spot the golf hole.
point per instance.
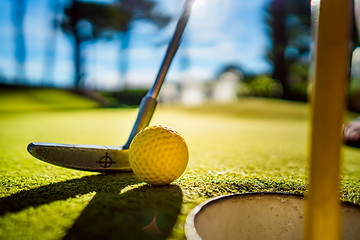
(258, 216)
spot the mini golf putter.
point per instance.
(113, 158)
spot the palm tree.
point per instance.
(135, 10)
(86, 21)
(289, 25)
(51, 42)
(18, 14)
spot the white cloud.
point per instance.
(104, 78)
(218, 52)
(143, 77)
(146, 53)
(198, 73)
(208, 20)
(210, 13)
(102, 52)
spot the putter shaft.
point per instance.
(149, 102)
(172, 48)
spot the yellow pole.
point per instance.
(322, 218)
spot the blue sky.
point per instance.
(219, 32)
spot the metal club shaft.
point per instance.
(172, 48)
(149, 102)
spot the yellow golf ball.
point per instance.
(158, 155)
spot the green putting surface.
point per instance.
(251, 145)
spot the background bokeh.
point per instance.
(230, 48)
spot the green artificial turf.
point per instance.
(40, 99)
(251, 145)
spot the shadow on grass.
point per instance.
(144, 212)
(64, 190)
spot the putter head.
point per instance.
(95, 158)
(82, 157)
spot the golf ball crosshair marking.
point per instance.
(158, 155)
(105, 161)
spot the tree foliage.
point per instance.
(85, 21)
(289, 32)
